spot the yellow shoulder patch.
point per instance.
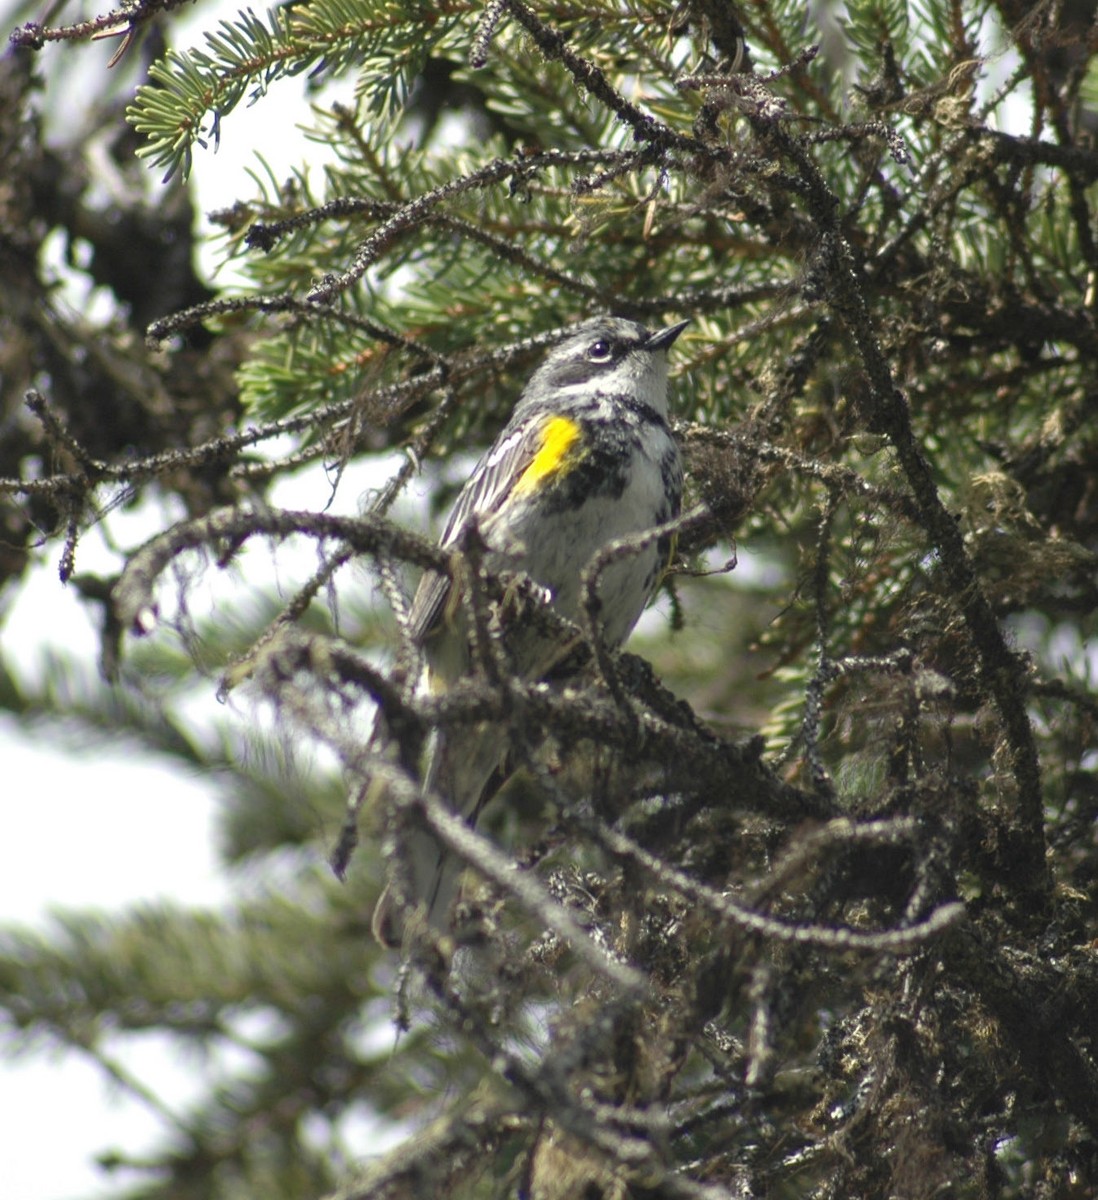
(558, 436)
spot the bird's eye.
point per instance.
(599, 351)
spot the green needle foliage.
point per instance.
(795, 900)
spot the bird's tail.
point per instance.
(461, 770)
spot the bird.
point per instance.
(587, 456)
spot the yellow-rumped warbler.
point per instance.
(586, 457)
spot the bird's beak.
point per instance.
(663, 339)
